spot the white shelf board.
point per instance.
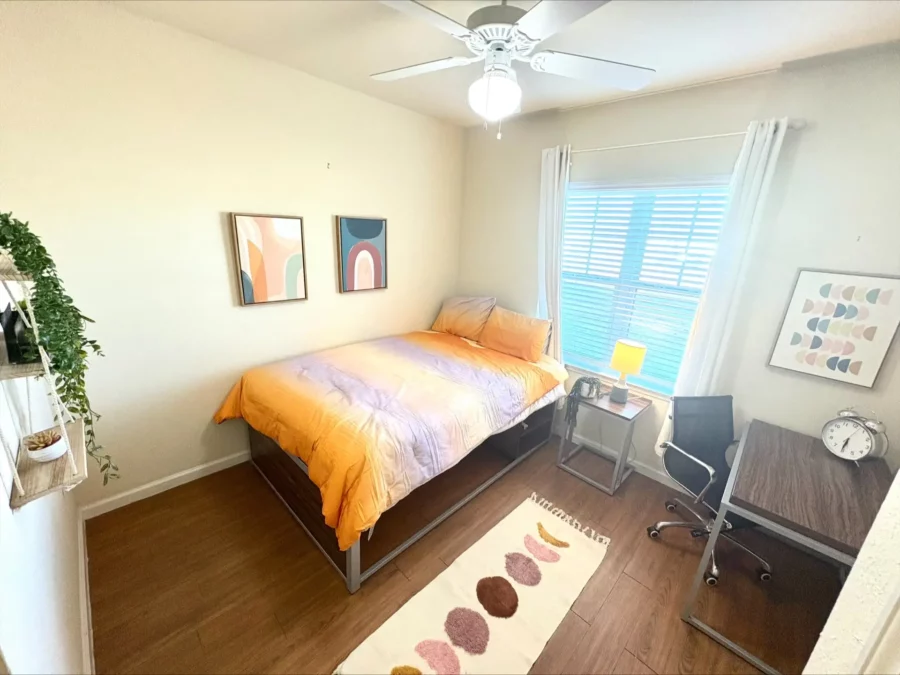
(10, 371)
(43, 478)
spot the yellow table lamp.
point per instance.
(627, 358)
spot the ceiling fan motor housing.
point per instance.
(494, 22)
(496, 25)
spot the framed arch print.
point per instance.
(362, 253)
(271, 258)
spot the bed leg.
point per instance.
(353, 572)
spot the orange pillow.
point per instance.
(464, 317)
(515, 334)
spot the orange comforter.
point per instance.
(375, 420)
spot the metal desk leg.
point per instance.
(622, 459)
(565, 447)
(688, 611)
(687, 614)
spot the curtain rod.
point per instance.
(793, 124)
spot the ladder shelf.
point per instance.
(32, 479)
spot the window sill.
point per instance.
(649, 393)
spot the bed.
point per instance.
(345, 435)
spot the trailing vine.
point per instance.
(61, 326)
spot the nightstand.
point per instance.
(627, 412)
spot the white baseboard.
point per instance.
(651, 472)
(102, 506)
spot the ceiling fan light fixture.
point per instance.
(496, 94)
(501, 34)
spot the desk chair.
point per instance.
(703, 430)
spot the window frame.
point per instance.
(710, 181)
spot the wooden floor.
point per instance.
(216, 576)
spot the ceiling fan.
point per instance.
(501, 34)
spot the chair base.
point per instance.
(702, 526)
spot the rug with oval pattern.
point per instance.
(495, 607)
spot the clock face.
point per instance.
(847, 438)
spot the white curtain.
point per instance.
(554, 179)
(701, 370)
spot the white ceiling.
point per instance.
(686, 41)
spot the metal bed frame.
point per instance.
(352, 574)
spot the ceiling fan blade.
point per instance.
(422, 68)
(551, 16)
(613, 73)
(436, 19)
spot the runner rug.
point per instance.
(495, 607)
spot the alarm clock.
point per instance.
(853, 437)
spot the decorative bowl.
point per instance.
(45, 446)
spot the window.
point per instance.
(634, 264)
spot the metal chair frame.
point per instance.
(702, 525)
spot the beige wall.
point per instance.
(833, 206)
(126, 144)
(40, 615)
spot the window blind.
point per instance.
(634, 264)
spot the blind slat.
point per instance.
(634, 264)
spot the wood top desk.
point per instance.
(792, 479)
(789, 483)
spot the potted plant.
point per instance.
(44, 446)
(61, 329)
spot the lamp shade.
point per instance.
(495, 95)
(628, 357)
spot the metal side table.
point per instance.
(627, 412)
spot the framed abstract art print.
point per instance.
(838, 325)
(271, 258)
(362, 253)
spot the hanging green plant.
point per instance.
(61, 327)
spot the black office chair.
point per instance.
(703, 430)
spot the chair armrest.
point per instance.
(668, 445)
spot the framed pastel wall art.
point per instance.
(362, 253)
(271, 258)
(838, 325)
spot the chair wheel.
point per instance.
(764, 575)
(710, 579)
(652, 532)
(671, 506)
